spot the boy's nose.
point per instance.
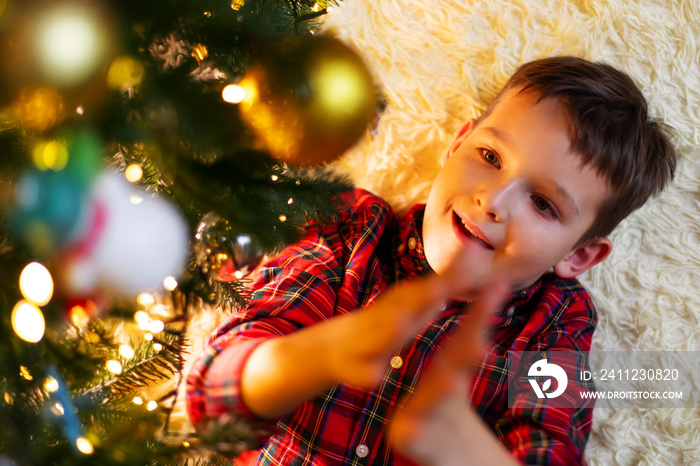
(494, 201)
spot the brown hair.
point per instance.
(610, 130)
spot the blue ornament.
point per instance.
(50, 209)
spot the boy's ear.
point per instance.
(461, 135)
(583, 258)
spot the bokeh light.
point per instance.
(233, 94)
(84, 446)
(28, 322)
(133, 173)
(126, 351)
(36, 284)
(51, 155)
(69, 43)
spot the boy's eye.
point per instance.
(491, 158)
(543, 205)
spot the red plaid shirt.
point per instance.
(338, 268)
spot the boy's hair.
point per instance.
(610, 129)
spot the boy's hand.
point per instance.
(436, 426)
(361, 344)
(354, 349)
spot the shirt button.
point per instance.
(411, 243)
(396, 362)
(362, 450)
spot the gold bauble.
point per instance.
(310, 101)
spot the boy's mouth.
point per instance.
(471, 231)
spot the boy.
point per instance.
(326, 351)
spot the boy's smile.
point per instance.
(512, 200)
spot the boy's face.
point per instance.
(511, 200)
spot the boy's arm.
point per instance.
(437, 427)
(353, 349)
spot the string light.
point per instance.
(200, 52)
(28, 322)
(133, 173)
(274, 177)
(126, 351)
(114, 367)
(290, 201)
(156, 326)
(283, 218)
(233, 94)
(69, 44)
(79, 316)
(145, 299)
(237, 4)
(50, 384)
(137, 400)
(36, 284)
(157, 347)
(24, 373)
(169, 283)
(84, 446)
(152, 405)
(57, 409)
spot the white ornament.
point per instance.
(144, 239)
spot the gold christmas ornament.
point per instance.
(310, 101)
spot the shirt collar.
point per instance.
(407, 247)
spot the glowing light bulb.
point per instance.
(24, 373)
(157, 347)
(57, 409)
(143, 320)
(156, 326)
(283, 218)
(79, 316)
(114, 367)
(145, 299)
(36, 284)
(233, 94)
(152, 405)
(126, 351)
(50, 384)
(169, 283)
(84, 446)
(133, 173)
(28, 322)
(137, 400)
(69, 44)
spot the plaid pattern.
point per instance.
(339, 268)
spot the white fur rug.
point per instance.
(440, 62)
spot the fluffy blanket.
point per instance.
(440, 62)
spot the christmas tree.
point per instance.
(153, 153)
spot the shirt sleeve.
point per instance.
(293, 290)
(545, 435)
(309, 282)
